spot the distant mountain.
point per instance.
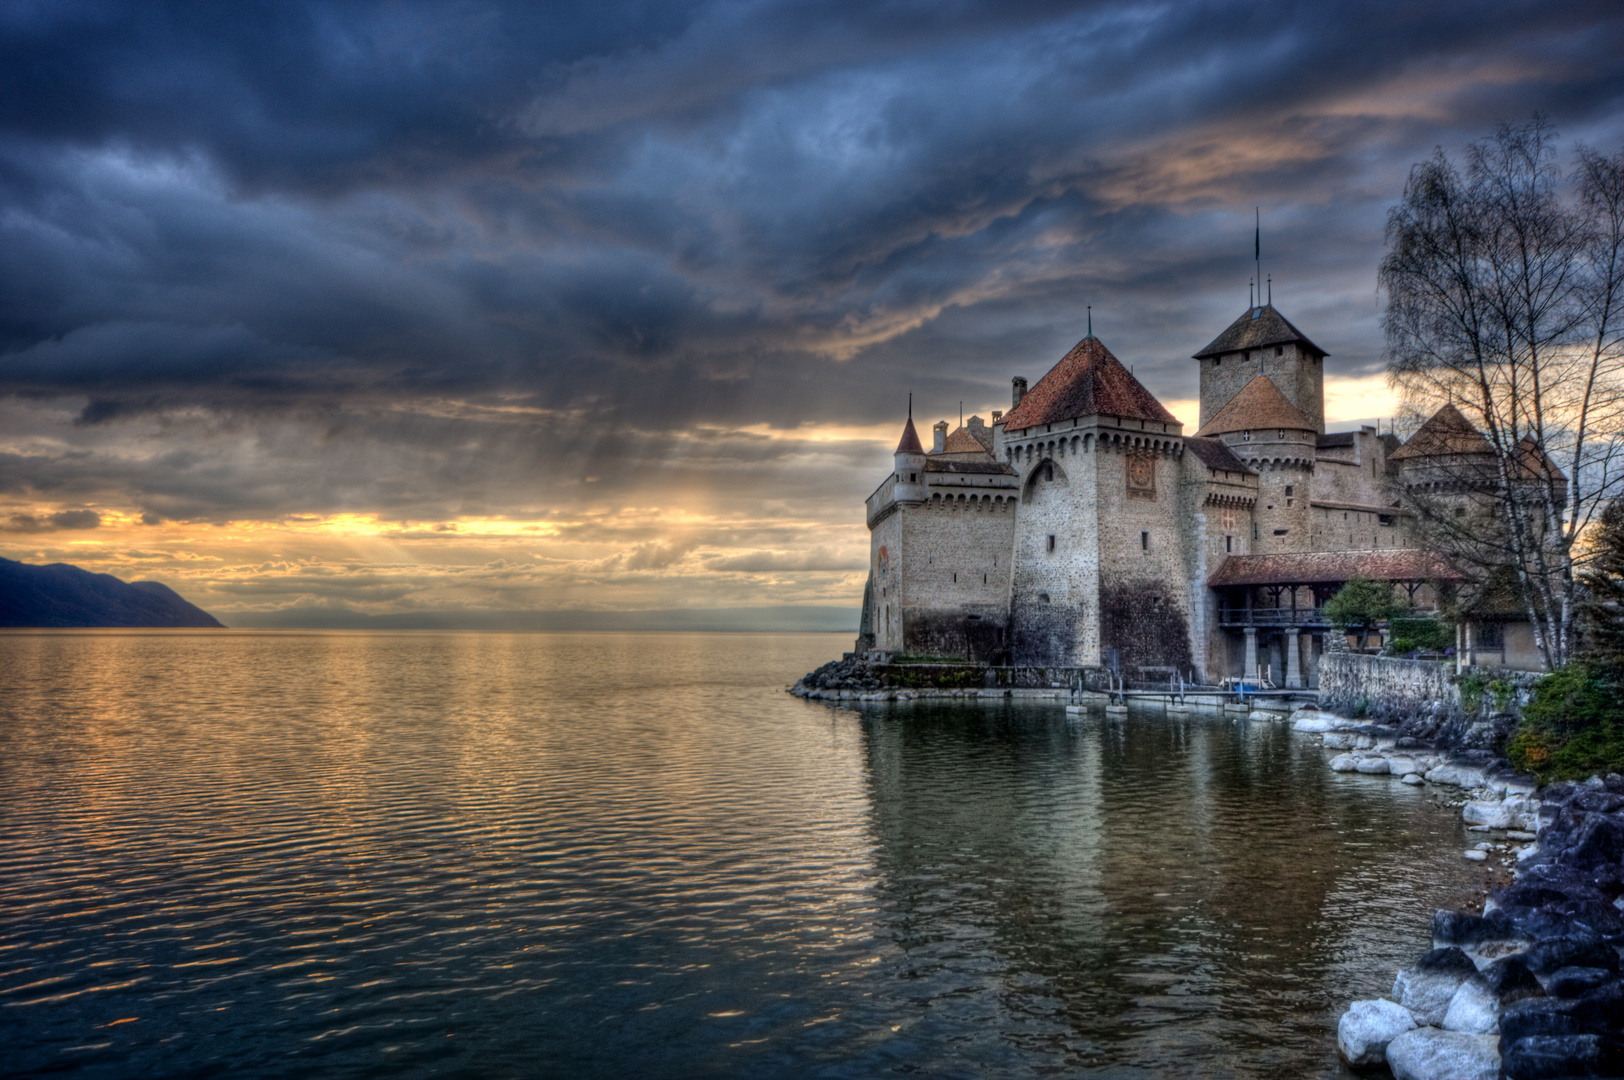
(63, 595)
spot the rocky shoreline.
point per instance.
(1531, 987)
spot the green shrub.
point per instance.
(1409, 634)
(1472, 687)
(1572, 729)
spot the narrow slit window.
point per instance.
(1051, 541)
(1144, 541)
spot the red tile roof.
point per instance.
(962, 442)
(1257, 328)
(1446, 433)
(910, 440)
(1259, 405)
(1314, 567)
(1088, 381)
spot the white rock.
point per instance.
(1492, 814)
(1522, 785)
(1316, 724)
(1372, 766)
(1259, 714)
(1398, 764)
(1476, 856)
(1473, 1010)
(1414, 779)
(1366, 1029)
(1456, 776)
(1430, 1054)
(1344, 763)
(1426, 994)
(1337, 741)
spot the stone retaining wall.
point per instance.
(1387, 685)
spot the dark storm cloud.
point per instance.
(57, 522)
(356, 241)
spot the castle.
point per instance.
(1084, 528)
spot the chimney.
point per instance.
(1019, 385)
(940, 431)
(997, 415)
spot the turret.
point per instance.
(910, 464)
(1263, 342)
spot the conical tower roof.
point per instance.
(1088, 381)
(1258, 327)
(1446, 433)
(910, 439)
(1260, 404)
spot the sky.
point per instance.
(485, 313)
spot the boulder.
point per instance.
(1426, 988)
(1317, 722)
(1494, 815)
(1337, 741)
(1398, 766)
(1464, 928)
(1537, 1016)
(1538, 1056)
(1600, 843)
(1413, 779)
(1509, 980)
(1472, 1010)
(1344, 763)
(1476, 856)
(1574, 981)
(1456, 776)
(1372, 766)
(1367, 1027)
(1601, 1010)
(1430, 1054)
(1598, 801)
(1570, 950)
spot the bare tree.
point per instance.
(1505, 299)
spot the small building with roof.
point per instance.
(1085, 528)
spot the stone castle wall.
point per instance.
(1144, 614)
(1054, 593)
(885, 559)
(955, 575)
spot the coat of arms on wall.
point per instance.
(884, 558)
(1141, 476)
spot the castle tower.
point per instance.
(1272, 437)
(1263, 342)
(1098, 572)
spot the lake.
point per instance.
(270, 854)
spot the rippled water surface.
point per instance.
(633, 855)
